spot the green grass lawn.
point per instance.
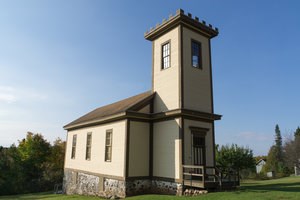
(284, 188)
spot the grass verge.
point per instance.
(279, 189)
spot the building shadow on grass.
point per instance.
(34, 196)
(282, 187)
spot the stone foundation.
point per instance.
(165, 187)
(88, 184)
(113, 188)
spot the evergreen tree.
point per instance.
(278, 145)
(275, 160)
(278, 138)
(297, 132)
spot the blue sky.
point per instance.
(61, 59)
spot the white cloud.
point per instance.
(7, 98)
(10, 94)
(6, 94)
(6, 88)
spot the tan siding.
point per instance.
(146, 109)
(166, 82)
(139, 149)
(166, 148)
(197, 86)
(97, 163)
(188, 142)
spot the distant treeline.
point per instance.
(34, 165)
(283, 156)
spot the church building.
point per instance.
(159, 141)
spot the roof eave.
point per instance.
(97, 121)
(147, 117)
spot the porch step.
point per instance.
(198, 184)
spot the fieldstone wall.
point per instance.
(137, 187)
(81, 183)
(88, 184)
(165, 187)
(114, 189)
(69, 182)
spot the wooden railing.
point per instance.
(194, 173)
(202, 176)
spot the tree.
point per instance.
(292, 151)
(54, 166)
(278, 138)
(34, 151)
(11, 176)
(272, 161)
(234, 157)
(33, 166)
(297, 132)
(275, 159)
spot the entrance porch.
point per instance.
(211, 178)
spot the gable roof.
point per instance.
(261, 160)
(97, 115)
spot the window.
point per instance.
(108, 145)
(88, 146)
(166, 55)
(74, 146)
(196, 55)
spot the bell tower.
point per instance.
(181, 63)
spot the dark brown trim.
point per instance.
(180, 18)
(200, 129)
(66, 148)
(138, 120)
(133, 178)
(142, 103)
(197, 119)
(158, 178)
(185, 113)
(137, 115)
(127, 147)
(97, 174)
(153, 45)
(155, 117)
(181, 136)
(113, 118)
(211, 80)
(212, 102)
(181, 77)
(214, 143)
(151, 142)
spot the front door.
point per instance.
(198, 149)
(198, 154)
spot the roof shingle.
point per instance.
(111, 109)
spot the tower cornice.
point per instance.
(185, 20)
